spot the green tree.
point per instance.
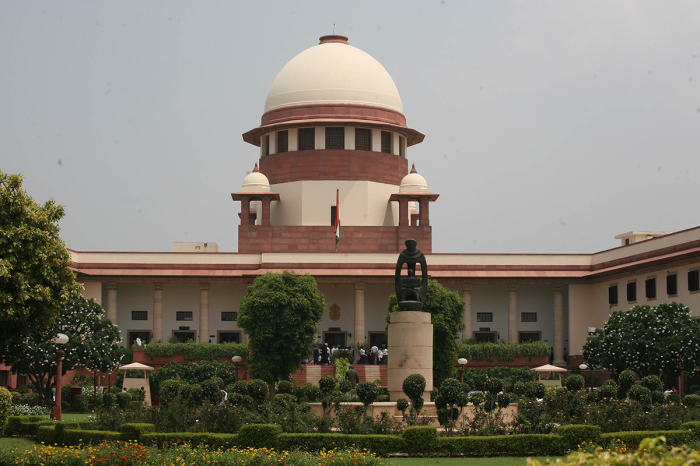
(648, 340)
(447, 310)
(280, 312)
(92, 344)
(35, 275)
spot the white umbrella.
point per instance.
(135, 366)
(548, 368)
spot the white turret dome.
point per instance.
(333, 72)
(413, 183)
(255, 182)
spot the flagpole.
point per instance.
(337, 217)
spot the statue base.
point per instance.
(410, 351)
(410, 306)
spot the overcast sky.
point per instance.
(551, 126)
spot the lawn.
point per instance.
(490, 461)
(14, 443)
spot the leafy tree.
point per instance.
(92, 344)
(35, 276)
(648, 340)
(280, 312)
(446, 309)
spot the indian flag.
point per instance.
(337, 218)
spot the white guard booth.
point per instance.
(547, 369)
(137, 382)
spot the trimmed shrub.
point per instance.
(574, 383)
(512, 445)
(80, 403)
(259, 436)
(673, 398)
(326, 384)
(193, 439)
(691, 401)
(134, 431)
(31, 399)
(381, 445)
(653, 383)
(534, 389)
(626, 380)
(123, 400)
(22, 425)
(607, 391)
(109, 400)
(693, 427)
(420, 439)
(574, 435)
(257, 389)
(367, 392)
(16, 398)
(285, 386)
(640, 393)
(5, 403)
(633, 439)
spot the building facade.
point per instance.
(333, 127)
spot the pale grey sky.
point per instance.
(551, 126)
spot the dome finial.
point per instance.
(256, 170)
(413, 168)
(333, 38)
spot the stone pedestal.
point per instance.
(410, 351)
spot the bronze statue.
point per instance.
(411, 291)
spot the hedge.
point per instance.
(23, 425)
(506, 445)
(503, 351)
(197, 351)
(213, 441)
(379, 444)
(674, 438)
(574, 435)
(134, 431)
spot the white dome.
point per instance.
(255, 182)
(413, 183)
(333, 72)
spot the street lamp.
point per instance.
(236, 360)
(583, 366)
(59, 340)
(462, 362)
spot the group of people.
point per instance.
(323, 354)
(374, 355)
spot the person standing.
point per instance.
(325, 354)
(373, 354)
(352, 375)
(317, 356)
(363, 355)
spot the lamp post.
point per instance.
(59, 340)
(462, 362)
(583, 366)
(236, 360)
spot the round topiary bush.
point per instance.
(691, 401)
(257, 389)
(344, 386)
(494, 385)
(653, 383)
(240, 387)
(640, 393)
(326, 384)
(574, 383)
(285, 386)
(449, 390)
(367, 392)
(402, 404)
(534, 389)
(5, 403)
(607, 391)
(414, 386)
(626, 380)
(519, 388)
(673, 398)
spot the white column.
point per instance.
(273, 142)
(349, 138)
(512, 314)
(293, 139)
(395, 144)
(204, 312)
(320, 134)
(359, 313)
(376, 140)
(558, 326)
(467, 297)
(158, 313)
(112, 302)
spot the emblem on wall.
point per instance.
(335, 312)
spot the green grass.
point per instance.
(14, 443)
(491, 461)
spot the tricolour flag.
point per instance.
(337, 218)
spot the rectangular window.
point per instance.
(632, 291)
(650, 285)
(528, 317)
(386, 142)
(267, 145)
(183, 315)
(282, 141)
(333, 215)
(229, 337)
(672, 285)
(363, 139)
(529, 337)
(335, 138)
(612, 295)
(4, 378)
(484, 316)
(694, 280)
(139, 315)
(229, 316)
(307, 139)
